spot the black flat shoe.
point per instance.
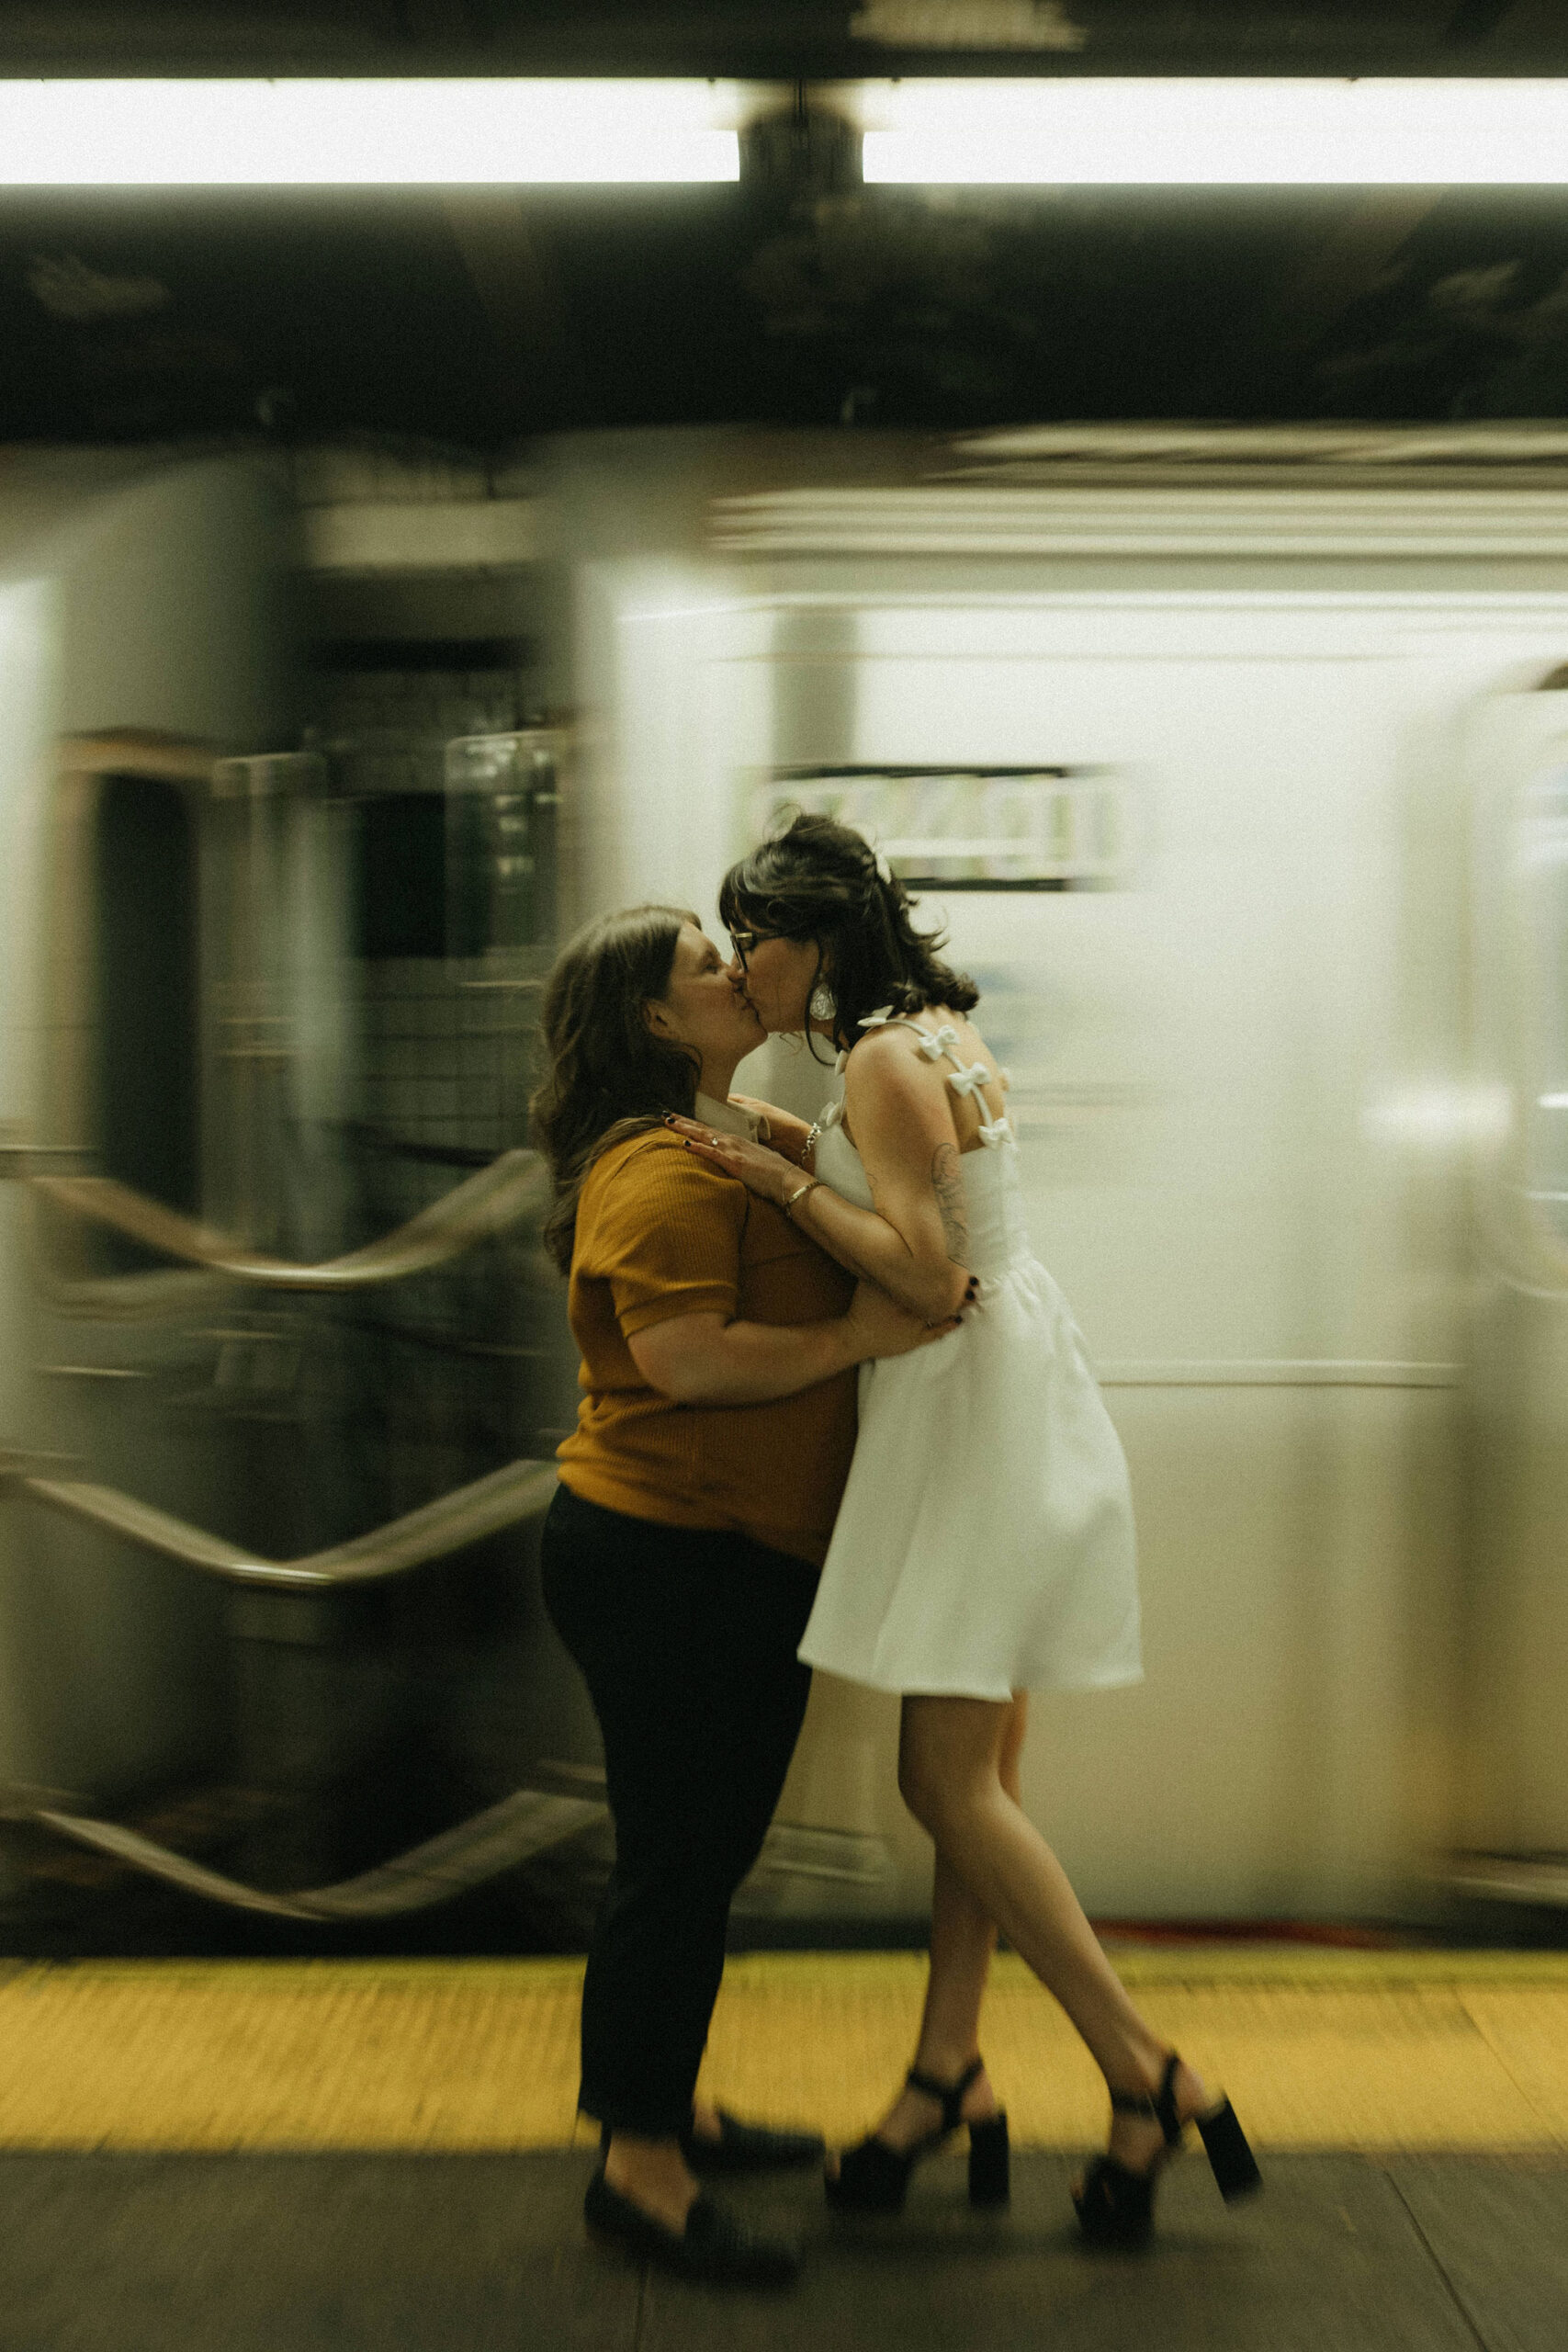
(875, 2178)
(742, 2148)
(1116, 2205)
(713, 2249)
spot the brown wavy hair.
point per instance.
(607, 1076)
(820, 881)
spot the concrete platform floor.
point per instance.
(121, 2253)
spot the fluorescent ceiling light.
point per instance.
(359, 133)
(1246, 132)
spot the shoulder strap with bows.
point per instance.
(940, 1044)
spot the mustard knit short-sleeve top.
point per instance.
(661, 1233)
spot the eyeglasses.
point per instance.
(743, 942)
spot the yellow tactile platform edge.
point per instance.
(1321, 2050)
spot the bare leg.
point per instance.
(964, 1937)
(950, 1772)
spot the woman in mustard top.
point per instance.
(680, 1555)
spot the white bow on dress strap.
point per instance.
(972, 1082)
(936, 1042)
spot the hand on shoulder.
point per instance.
(762, 1170)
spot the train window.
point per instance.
(464, 871)
(402, 883)
(970, 829)
(502, 796)
(145, 1077)
(391, 711)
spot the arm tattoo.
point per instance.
(947, 1183)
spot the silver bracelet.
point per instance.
(799, 1193)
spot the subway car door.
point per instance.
(1157, 828)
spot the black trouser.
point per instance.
(687, 1642)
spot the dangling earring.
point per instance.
(824, 1003)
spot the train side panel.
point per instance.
(1248, 1113)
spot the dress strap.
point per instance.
(941, 1044)
(886, 1018)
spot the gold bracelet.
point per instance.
(799, 1193)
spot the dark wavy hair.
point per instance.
(607, 1076)
(820, 881)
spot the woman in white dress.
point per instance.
(985, 1544)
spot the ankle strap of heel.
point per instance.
(951, 2094)
(1155, 2106)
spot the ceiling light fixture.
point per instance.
(492, 132)
(1247, 132)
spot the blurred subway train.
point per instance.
(1234, 764)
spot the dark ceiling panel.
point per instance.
(274, 308)
(476, 321)
(790, 38)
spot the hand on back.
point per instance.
(882, 1327)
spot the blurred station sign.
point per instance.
(969, 828)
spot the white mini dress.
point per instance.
(985, 1544)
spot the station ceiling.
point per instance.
(475, 319)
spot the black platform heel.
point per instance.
(875, 2178)
(1116, 2205)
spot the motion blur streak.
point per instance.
(1237, 771)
